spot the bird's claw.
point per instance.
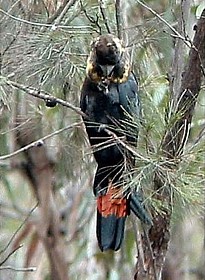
(104, 86)
(101, 127)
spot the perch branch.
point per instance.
(44, 96)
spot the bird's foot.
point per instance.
(104, 86)
(102, 127)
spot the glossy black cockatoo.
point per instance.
(109, 98)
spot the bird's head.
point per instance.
(107, 59)
(108, 50)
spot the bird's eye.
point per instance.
(111, 44)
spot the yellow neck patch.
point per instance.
(95, 77)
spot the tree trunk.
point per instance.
(154, 242)
(38, 169)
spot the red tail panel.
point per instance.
(112, 203)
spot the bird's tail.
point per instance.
(112, 210)
(137, 207)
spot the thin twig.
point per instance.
(18, 229)
(151, 252)
(91, 18)
(39, 142)
(104, 15)
(10, 44)
(16, 127)
(170, 162)
(186, 41)
(20, 269)
(10, 254)
(64, 11)
(76, 28)
(18, 2)
(117, 139)
(118, 15)
(57, 12)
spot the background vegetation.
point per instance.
(47, 209)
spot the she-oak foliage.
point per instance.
(53, 59)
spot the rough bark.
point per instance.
(154, 242)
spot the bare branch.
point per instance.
(18, 229)
(10, 254)
(104, 15)
(45, 96)
(177, 34)
(39, 142)
(119, 22)
(40, 176)
(10, 44)
(69, 4)
(78, 29)
(117, 139)
(91, 18)
(179, 53)
(58, 12)
(20, 269)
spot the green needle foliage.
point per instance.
(52, 58)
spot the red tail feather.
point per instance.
(112, 203)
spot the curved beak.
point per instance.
(107, 70)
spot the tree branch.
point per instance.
(10, 254)
(57, 12)
(103, 12)
(78, 29)
(18, 229)
(44, 96)
(119, 21)
(176, 33)
(20, 269)
(39, 142)
(179, 52)
(65, 9)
